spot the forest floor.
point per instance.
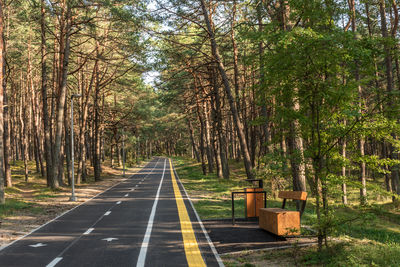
(29, 204)
(359, 236)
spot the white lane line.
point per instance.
(132, 189)
(143, 250)
(126, 195)
(88, 231)
(136, 185)
(107, 213)
(210, 243)
(54, 262)
(119, 202)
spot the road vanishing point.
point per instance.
(146, 220)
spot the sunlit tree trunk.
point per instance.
(65, 31)
(2, 89)
(238, 124)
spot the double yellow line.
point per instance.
(192, 251)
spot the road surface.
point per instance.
(146, 220)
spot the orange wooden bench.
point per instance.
(281, 221)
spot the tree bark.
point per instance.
(45, 114)
(196, 152)
(389, 87)
(54, 183)
(7, 136)
(231, 100)
(219, 130)
(2, 89)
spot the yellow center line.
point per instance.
(192, 251)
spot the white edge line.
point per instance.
(54, 262)
(65, 212)
(88, 231)
(213, 249)
(143, 250)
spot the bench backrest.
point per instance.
(297, 195)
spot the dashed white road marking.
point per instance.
(126, 195)
(38, 245)
(136, 185)
(54, 262)
(107, 213)
(119, 202)
(109, 239)
(143, 250)
(88, 231)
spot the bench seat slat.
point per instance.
(279, 221)
(279, 210)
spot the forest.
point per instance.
(304, 94)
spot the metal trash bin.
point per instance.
(253, 202)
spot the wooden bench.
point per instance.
(281, 221)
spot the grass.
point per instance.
(364, 236)
(13, 205)
(212, 195)
(352, 253)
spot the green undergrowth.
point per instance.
(363, 236)
(351, 253)
(13, 205)
(211, 196)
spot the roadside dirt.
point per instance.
(43, 205)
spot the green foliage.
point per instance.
(13, 205)
(355, 254)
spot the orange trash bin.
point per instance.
(254, 202)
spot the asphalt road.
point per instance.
(146, 220)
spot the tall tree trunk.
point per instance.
(264, 110)
(2, 89)
(24, 143)
(202, 137)
(81, 175)
(61, 100)
(235, 57)
(389, 82)
(219, 127)
(96, 125)
(210, 159)
(214, 138)
(196, 152)
(361, 142)
(45, 114)
(295, 149)
(231, 100)
(67, 146)
(7, 135)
